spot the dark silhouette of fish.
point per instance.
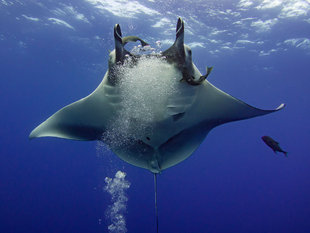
(274, 145)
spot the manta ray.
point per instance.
(152, 110)
(163, 130)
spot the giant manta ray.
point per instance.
(175, 125)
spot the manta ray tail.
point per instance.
(156, 210)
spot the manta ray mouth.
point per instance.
(178, 54)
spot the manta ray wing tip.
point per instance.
(32, 135)
(280, 106)
(38, 132)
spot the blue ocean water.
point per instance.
(54, 53)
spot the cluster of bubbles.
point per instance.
(116, 187)
(148, 49)
(144, 89)
(142, 50)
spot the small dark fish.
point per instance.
(274, 145)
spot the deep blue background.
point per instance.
(232, 183)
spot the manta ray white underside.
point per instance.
(143, 112)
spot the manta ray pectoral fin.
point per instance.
(218, 107)
(238, 110)
(251, 111)
(78, 121)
